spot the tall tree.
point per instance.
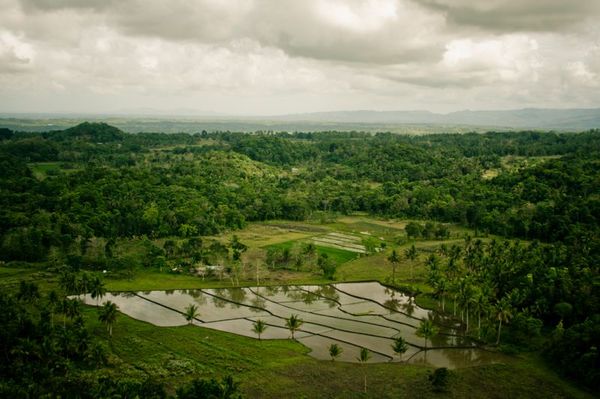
(503, 311)
(97, 289)
(53, 305)
(427, 330)
(293, 323)
(335, 351)
(83, 285)
(363, 357)
(108, 315)
(394, 259)
(191, 312)
(411, 254)
(259, 327)
(481, 306)
(28, 292)
(400, 346)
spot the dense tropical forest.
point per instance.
(526, 277)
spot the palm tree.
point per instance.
(97, 289)
(394, 259)
(259, 327)
(363, 357)
(83, 284)
(465, 297)
(411, 254)
(399, 346)
(453, 288)
(28, 292)
(427, 330)
(293, 323)
(441, 287)
(335, 351)
(503, 314)
(53, 303)
(191, 312)
(480, 305)
(71, 309)
(108, 315)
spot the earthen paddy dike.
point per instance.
(351, 315)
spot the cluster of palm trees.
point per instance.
(364, 355)
(410, 253)
(79, 284)
(293, 323)
(472, 287)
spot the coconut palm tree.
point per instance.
(28, 292)
(53, 304)
(70, 308)
(441, 287)
(97, 289)
(364, 357)
(399, 346)
(335, 351)
(411, 254)
(108, 315)
(427, 330)
(191, 312)
(503, 313)
(293, 323)
(259, 327)
(83, 285)
(480, 305)
(68, 282)
(465, 297)
(394, 259)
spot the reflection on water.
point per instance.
(455, 358)
(351, 315)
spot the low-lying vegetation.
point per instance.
(511, 255)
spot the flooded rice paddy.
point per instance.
(352, 315)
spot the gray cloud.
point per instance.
(516, 15)
(260, 56)
(378, 31)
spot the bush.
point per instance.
(575, 351)
(525, 332)
(439, 379)
(202, 388)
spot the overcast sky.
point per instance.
(290, 56)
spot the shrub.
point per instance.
(439, 379)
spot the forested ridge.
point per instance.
(62, 190)
(112, 184)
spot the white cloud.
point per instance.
(16, 55)
(286, 56)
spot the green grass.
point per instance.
(281, 368)
(338, 255)
(155, 280)
(10, 278)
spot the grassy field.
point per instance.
(338, 255)
(282, 368)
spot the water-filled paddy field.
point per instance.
(351, 315)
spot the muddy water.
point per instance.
(351, 315)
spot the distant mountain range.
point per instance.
(528, 118)
(413, 122)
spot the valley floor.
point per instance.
(282, 368)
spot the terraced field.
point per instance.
(345, 242)
(352, 315)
